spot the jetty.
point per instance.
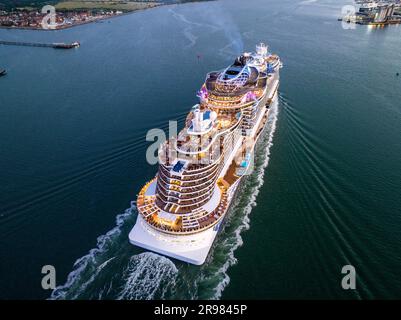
(54, 45)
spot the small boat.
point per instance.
(66, 45)
(3, 72)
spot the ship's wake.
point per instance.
(117, 270)
(88, 269)
(147, 276)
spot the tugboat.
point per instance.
(3, 72)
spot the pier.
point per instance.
(38, 44)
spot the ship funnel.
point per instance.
(262, 49)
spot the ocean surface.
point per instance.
(325, 191)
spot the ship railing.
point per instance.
(220, 133)
(186, 191)
(196, 194)
(204, 219)
(188, 178)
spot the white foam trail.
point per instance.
(222, 21)
(252, 203)
(100, 268)
(92, 278)
(146, 275)
(182, 18)
(306, 2)
(82, 263)
(188, 30)
(190, 36)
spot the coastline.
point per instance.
(103, 18)
(96, 20)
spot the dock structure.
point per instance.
(38, 44)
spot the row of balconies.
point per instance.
(205, 222)
(184, 195)
(185, 181)
(183, 208)
(182, 200)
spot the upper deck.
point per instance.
(202, 139)
(241, 83)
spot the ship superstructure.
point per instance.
(182, 208)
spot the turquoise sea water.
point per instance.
(325, 192)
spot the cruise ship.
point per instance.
(181, 210)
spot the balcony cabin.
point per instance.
(191, 219)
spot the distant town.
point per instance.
(32, 19)
(65, 14)
(375, 13)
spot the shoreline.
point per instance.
(64, 27)
(97, 20)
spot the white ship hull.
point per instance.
(188, 248)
